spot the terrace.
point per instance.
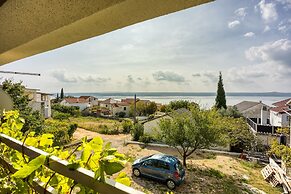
(34, 27)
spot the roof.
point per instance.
(75, 100)
(244, 105)
(123, 104)
(107, 101)
(281, 109)
(166, 158)
(282, 102)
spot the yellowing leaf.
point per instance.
(29, 168)
(123, 179)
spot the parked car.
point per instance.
(161, 167)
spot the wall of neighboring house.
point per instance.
(82, 106)
(116, 110)
(40, 102)
(275, 118)
(279, 119)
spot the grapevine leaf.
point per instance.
(123, 179)
(73, 166)
(29, 168)
(96, 143)
(113, 167)
(31, 141)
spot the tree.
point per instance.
(220, 101)
(143, 109)
(137, 131)
(62, 94)
(58, 98)
(190, 131)
(231, 111)
(237, 133)
(178, 104)
(33, 119)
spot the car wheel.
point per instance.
(136, 172)
(171, 184)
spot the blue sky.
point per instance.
(249, 41)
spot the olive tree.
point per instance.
(190, 131)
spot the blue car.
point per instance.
(160, 167)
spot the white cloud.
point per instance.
(168, 76)
(241, 12)
(62, 76)
(268, 11)
(278, 51)
(233, 24)
(249, 34)
(267, 28)
(285, 3)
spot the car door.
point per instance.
(163, 170)
(148, 168)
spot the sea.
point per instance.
(204, 99)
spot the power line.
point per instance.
(21, 73)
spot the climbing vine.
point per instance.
(103, 160)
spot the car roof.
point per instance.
(166, 158)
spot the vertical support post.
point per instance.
(134, 111)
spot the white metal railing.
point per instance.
(80, 175)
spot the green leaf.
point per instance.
(73, 166)
(29, 168)
(123, 179)
(111, 168)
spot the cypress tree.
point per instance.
(220, 101)
(62, 93)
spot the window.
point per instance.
(124, 108)
(163, 165)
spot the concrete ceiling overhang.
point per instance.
(30, 27)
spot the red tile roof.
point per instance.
(282, 102)
(281, 109)
(75, 100)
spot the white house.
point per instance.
(255, 110)
(93, 101)
(77, 102)
(279, 114)
(121, 107)
(39, 101)
(115, 107)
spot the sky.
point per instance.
(249, 41)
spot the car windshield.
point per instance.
(144, 158)
(179, 166)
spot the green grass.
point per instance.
(100, 125)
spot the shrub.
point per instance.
(137, 131)
(62, 131)
(72, 110)
(127, 126)
(60, 115)
(121, 114)
(146, 138)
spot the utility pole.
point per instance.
(134, 111)
(289, 127)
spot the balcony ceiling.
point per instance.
(30, 27)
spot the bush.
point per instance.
(121, 114)
(62, 131)
(60, 115)
(127, 126)
(137, 131)
(146, 138)
(72, 110)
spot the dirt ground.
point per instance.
(206, 172)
